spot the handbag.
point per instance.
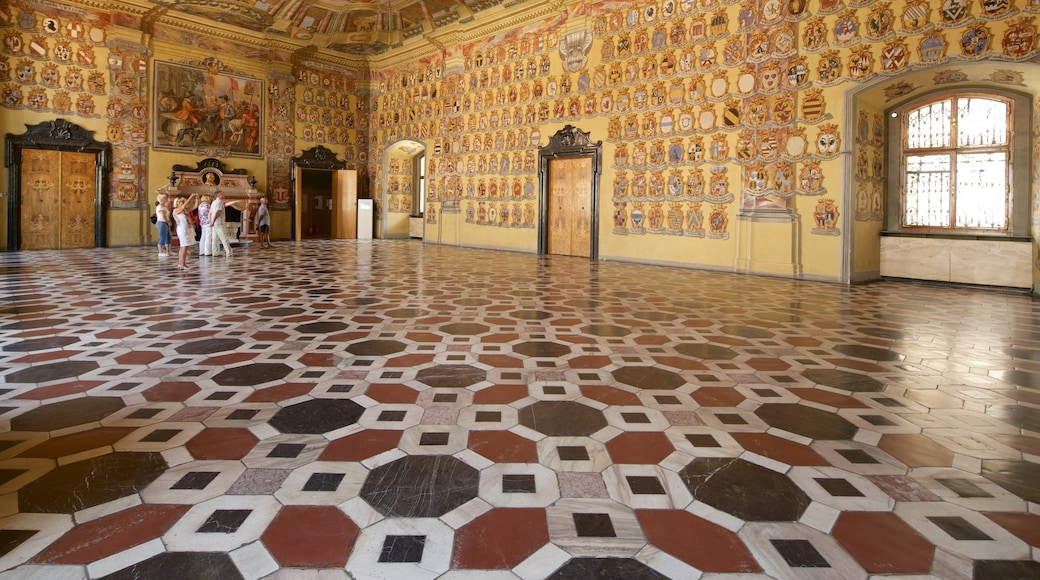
(153, 218)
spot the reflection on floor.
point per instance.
(400, 410)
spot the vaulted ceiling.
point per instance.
(350, 27)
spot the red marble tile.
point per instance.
(779, 449)
(902, 488)
(108, 535)
(589, 362)
(829, 398)
(360, 446)
(1025, 526)
(61, 390)
(366, 320)
(1023, 443)
(500, 337)
(47, 356)
(38, 332)
(697, 323)
(172, 391)
(78, 442)
(310, 537)
(916, 450)
(99, 316)
(768, 364)
(717, 397)
(318, 359)
(500, 395)
(219, 443)
(610, 395)
(883, 543)
(696, 541)
(347, 336)
(193, 414)
(423, 337)
(191, 335)
(501, 361)
(500, 539)
(680, 362)
(576, 339)
(280, 392)
(652, 339)
(139, 357)
(385, 393)
(802, 341)
(503, 446)
(636, 447)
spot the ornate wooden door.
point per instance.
(57, 199)
(570, 206)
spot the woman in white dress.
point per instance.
(185, 232)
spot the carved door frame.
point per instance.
(56, 135)
(568, 142)
(317, 158)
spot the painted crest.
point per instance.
(830, 67)
(114, 133)
(12, 96)
(814, 37)
(37, 99)
(811, 177)
(62, 102)
(719, 148)
(718, 222)
(826, 215)
(993, 9)
(695, 185)
(745, 148)
(783, 40)
(828, 141)
(879, 22)
(952, 12)
(49, 76)
(85, 105)
(769, 77)
(63, 52)
(757, 110)
(915, 15)
(1020, 38)
(769, 144)
(894, 56)
(731, 113)
(846, 29)
(797, 72)
(813, 105)
(783, 109)
(783, 177)
(932, 47)
(975, 41)
(38, 47)
(25, 71)
(718, 185)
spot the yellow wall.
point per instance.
(773, 91)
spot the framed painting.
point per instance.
(206, 110)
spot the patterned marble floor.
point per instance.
(397, 410)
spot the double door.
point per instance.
(57, 199)
(570, 206)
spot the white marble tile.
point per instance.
(436, 554)
(549, 450)
(546, 485)
(673, 493)
(758, 537)
(542, 563)
(254, 561)
(293, 492)
(1001, 545)
(126, 558)
(627, 538)
(854, 492)
(184, 536)
(47, 527)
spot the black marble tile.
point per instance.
(456, 376)
(35, 344)
(731, 419)
(806, 421)
(744, 489)
(606, 330)
(160, 435)
(394, 416)
(402, 549)
(1006, 570)
(838, 487)
(702, 440)
(72, 487)
(242, 414)
(434, 439)
(645, 485)
(572, 453)
(195, 480)
(706, 351)
(327, 327)
(488, 416)
(224, 521)
(646, 377)
(542, 349)
(878, 420)
(11, 539)
(554, 390)
(635, 418)
(958, 528)
(43, 373)
(323, 482)
(180, 325)
(375, 347)
(858, 456)
(464, 328)
(144, 414)
(252, 374)
(800, 554)
(667, 400)
(420, 486)
(606, 568)
(1020, 416)
(1021, 478)
(194, 565)
(1021, 378)
(445, 398)
(64, 414)
(562, 418)
(746, 331)
(7, 475)
(868, 352)
(317, 416)
(844, 380)
(518, 483)
(963, 487)
(594, 525)
(287, 450)
(209, 346)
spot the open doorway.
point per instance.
(316, 204)
(326, 196)
(400, 214)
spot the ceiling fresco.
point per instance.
(362, 27)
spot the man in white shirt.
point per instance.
(216, 221)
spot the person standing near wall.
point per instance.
(263, 224)
(185, 231)
(206, 239)
(216, 220)
(162, 223)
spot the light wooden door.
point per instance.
(344, 184)
(570, 207)
(57, 192)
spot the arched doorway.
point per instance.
(57, 177)
(403, 196)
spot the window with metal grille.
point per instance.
(956, 164)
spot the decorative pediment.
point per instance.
(319, 157)
(570, 137)
(58, 134)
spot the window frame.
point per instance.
(1019, 163)
(952, 151)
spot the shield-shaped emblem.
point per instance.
(953, 11)
(114, 132)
